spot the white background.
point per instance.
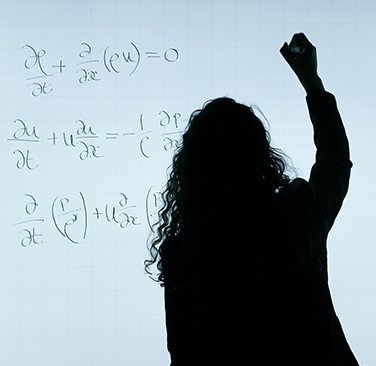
(89, 303)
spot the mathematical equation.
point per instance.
(71, 216)
(84, 135)
(87, 67)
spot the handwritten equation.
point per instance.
(87, 67)
(84, 138)
(71, 216)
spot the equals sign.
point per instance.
(152, 55)
(111, 136)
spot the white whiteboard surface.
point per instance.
(95, 95)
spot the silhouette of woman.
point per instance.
(241, 248)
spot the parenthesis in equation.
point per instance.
(54, 217)
(85, 213)
(64, 232)
(138, 57)
(127, 58)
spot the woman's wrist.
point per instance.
(310, 84)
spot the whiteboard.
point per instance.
(95, 96)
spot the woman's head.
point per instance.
(224, 160)
(226, 149)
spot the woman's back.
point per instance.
(252, 294)
(248, 289)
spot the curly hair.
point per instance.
(225, 151)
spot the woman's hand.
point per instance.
(304, 64)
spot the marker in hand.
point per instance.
(300, 49)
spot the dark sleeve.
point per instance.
(329, 178)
